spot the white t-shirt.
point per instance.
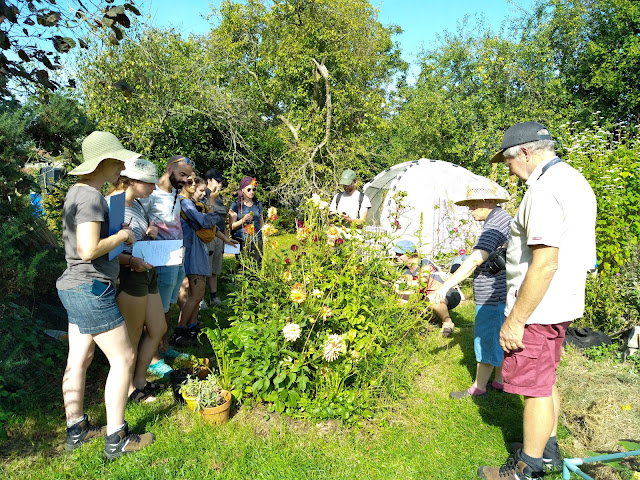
(558, 210)
(163, 208)
(349, 204)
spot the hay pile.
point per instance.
(600, 403)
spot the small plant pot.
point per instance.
(190, 401)
(220, 414)
(176, 377)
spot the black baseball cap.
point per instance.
(215, 174)
(520, 134)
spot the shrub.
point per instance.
(314, 330)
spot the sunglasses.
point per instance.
(185, 160)
(250, 189)
(189, 181)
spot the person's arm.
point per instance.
(136, 264)
(204, 220)
(536, 283)
(236, 223)
(91, 246)
(476, 258)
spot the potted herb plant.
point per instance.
(189, 391)
(212, 401)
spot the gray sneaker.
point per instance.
(82, 432)
(123, 442)
(215, 300)
(551, 464)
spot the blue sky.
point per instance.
(421, 20)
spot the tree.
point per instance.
(162, 95)
(318, 73)
(34, 33)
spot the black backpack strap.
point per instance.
(360, 203)
(338, 197)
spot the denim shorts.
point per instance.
(486, 334)
(91, 313)
(169, 282)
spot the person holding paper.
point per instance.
(137, 296)
(87, 292)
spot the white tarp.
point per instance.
(428, 215)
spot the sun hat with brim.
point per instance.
(520, 134)
(99, 146)
(140, 169)
(484, 191)
(405, 246)
(347, 177)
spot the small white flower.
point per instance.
(316, 293)
(333, 347)
(291, 332)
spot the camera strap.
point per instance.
(549, 165)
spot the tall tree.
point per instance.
(318, 72)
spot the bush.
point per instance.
(314, 330)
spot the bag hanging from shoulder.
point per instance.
(205, 234)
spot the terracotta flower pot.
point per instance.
(220, 414)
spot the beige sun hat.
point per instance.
(99, 146)
(484, 191)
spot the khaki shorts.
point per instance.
(216, 252)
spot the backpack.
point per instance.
(359, 202)
(205, 234)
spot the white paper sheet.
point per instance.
(160, 253)
(234, 249)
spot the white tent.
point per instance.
(426, 214)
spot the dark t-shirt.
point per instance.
(256, 208)
(84, 204)
(491, 289)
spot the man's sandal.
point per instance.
(140, 396)
(447, 329)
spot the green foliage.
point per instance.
(314, 329)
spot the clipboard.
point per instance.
(116, 219)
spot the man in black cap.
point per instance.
(215, 182)
(552, 246)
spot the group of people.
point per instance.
(524, 300)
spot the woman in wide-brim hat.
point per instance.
(87, 291)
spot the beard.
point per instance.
(175, 183)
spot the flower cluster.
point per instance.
(298, 294)
(302, 233)
(272, 214)
(318, 202)
(291, 332)
(269, 230)
(333, 347)
(334, 236)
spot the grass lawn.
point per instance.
(424, 436)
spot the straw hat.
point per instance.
(484, 191)
(99, 146)
(140, 169)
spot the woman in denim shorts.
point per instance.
(137, 296)
(86, 289)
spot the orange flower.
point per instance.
(250, 229)
(254, 183)
(298, 295)
(272, 214)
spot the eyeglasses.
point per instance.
(185, 160)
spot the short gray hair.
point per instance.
(531, 146)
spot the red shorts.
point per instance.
(532, 370)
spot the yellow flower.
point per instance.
(298, 295)
(269, 230)
(274, 244)
(302, 233)
(333, 347)
(287, 276)
(333, 231)
(291, 332)
(626, 407)
(326, 312)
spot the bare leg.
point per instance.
(192, 305)
(184, 293)
(133, 310)
(556, 409)
(498, 377)
(155, 328)
(117, 347)
(81, 348)
(538, 423)
(483, 372)
(441, 311)
(212, 281)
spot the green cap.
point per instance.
(347, 177)
(99, 146)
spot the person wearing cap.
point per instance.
(552, 246)
(87, 292)
(162, 208)
(489, 289)
(351, 205)
(215, 183)
(137, 295)
(423, 273)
